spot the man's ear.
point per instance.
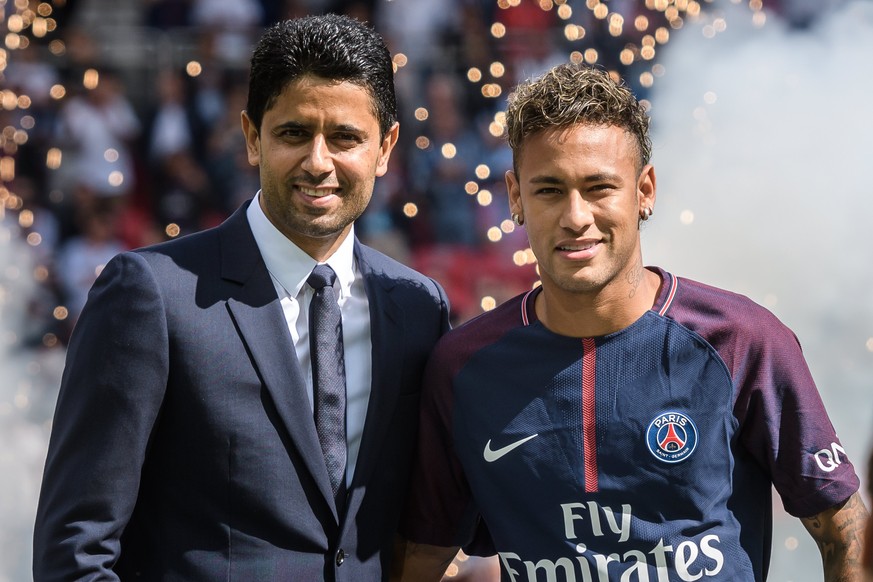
(514, 194)
(388, 143)
(647, 188)
(253, 140)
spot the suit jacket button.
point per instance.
(340, 557)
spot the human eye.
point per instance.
(292, 133)
(547, 191)
(347, 138)
(603, 189)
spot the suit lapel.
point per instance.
(387, 335)
(261, 323)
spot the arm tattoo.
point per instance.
(839, 533)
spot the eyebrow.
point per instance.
(299, 125)
(601, 177)
(290, 125)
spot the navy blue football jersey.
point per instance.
(644, 455)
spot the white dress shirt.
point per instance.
(289, 268)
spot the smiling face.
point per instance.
(580, 194)
(319, 152)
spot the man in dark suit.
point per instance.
(185, 444)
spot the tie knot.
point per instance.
(322, 276)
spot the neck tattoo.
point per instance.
(634, 277)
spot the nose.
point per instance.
(577, 215)
(318, 161)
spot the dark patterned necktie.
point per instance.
(328, 375)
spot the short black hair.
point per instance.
(330, 46)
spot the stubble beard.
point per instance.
(587, 280)
(310, 223)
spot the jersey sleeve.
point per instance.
(782, 422)
(440, 509)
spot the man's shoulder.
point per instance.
(192, 252)
(180, 244)
(485, 329)
(692, 296)
(723, 316)
(378, 264)
(506, 315)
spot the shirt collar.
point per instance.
(290, 265)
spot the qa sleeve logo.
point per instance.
(829, 459)
(671, 437)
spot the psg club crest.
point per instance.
(671, 437)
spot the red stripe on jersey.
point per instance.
(589, 414)
(524, 318)
(674, 284)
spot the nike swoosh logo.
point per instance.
(492, 456)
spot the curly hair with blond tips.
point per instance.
(570, 94)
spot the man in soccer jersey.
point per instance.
(618, 422)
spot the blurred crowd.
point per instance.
(133, 133)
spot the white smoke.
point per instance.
(762, 138)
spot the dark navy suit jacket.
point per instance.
(183, 444)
